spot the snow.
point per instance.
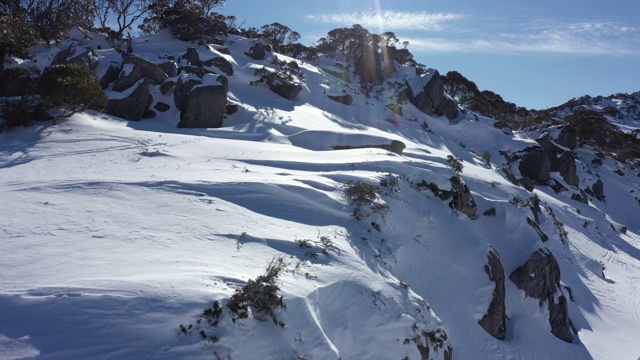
(114, 233)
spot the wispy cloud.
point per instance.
(583, 38)
(390, 20)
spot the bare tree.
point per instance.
(126, 13)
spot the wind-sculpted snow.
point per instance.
(114, 233)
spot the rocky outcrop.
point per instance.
(367, 65)
(169, 67)
(287, 90)
(495, 320)
(134, 69)
(192, 56)
(78, 55)
(258, 51)
(567, 168)
(462, 199)
(535, 165)
(539, 277)
(343, 99)
(133, 106)
(202, 102)
(598, 190)
(221, 63)
(568, 137)
(110, 75)
(432, 99)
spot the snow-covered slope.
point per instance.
(115, 233)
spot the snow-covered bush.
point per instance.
(285, 72)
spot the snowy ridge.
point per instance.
(116, 232)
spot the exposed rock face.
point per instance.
(132, 107)
(109, 76)
(539, 277)
(432, 99)
(462, 199)
(567, 168)
(192, 56)
(568, 137)
(598, 190)
(141, 69)
(78, 55)
(202, 105)
(367, 66)
(170, 68)
(495, 320)
(535, 165)
(221, 63)
(287, 90)
(343, 99)
(258, 51)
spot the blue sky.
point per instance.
(534, 53)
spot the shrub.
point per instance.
(71, 88)
(18, 81)
(15, 114)
(260, 297)
(285, 72)
(361, 193)
(454, 163)
(187, 20)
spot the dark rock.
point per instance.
(367, 65)
(141, 69)
(432, 99)
(567, 168)
(287, 90)
(148, 114)
(510, 176)
(109, 76)
(78, 55)
(396, 146)
(501, 124)
(539, 278)
(170, 68)
(405, 94)
(167, 87)
(258, 51)
(535, 165)
(536, 227)
(568, 137)
(133, 106)
(582, 197)
(182, 88)
(448, 108)
(343, 99)
(462, 199)
(559, 320)
(198, 71)
(203, 106)
(557, 186)
(528, 184)
(162, 107)
(192, 56)
(545, 142)
(221, 63)
(230, 109)
(495, 320)
(598, 190)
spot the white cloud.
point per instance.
(390, 20)
(585, 38)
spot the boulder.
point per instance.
(231, 109)
(495, 320)
(110, 75)
(133, 106)
(535, 165)
(78, 55)
(169, 67)
(162, 107)
(192, 56)
(568, 137)
(567, 168)
(203, 106)
(134, 69)
(539, 277)
(287, 90)
(343, 99)
(221, 63)
(433, 100)
(167, 87)
(598, 190)
(462, 199)
(258, 51)
(182, 88)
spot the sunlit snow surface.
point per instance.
(114, 233)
